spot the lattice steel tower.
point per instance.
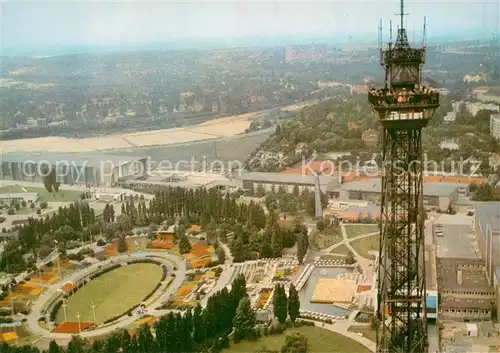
(404, 106)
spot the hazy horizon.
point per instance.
(57, 28)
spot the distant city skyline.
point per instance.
(56, 24)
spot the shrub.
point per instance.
(39, 211)
(10, 211)
(43, 205)
(56, 307)
(2, 219)
(101, 242)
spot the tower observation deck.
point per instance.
(404, 106)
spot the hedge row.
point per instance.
(55, 309)
(106, 270)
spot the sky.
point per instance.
(59, 23)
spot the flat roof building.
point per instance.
(71, 168)
(188, 180)
(269, 180)
(437, 195)
(21, 196)
(464, 290)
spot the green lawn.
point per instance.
(341, 249)
(366, 330)
(353, 230)
(327, 237)
(44, 195)
(320, 341)
(113, 293)
(364, 245)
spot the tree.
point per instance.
(78, 345)
(184, 245)
(32, 205)
(280, 303)
(302, 245)
(221, 255)
(124, 222)
(122, 245)
(320, 225)
(293, 303)
(295, 343)
(54, 348)
(43, 205)
(244, 320)
(349, 259)
(261, 191)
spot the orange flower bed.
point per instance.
(190, 256)
(185, 290)
(165, 237)
(8, 337)
(149, 321)
(29, 289)
(46, 278)
(110, 249)
(67, 265)
(200, 263)
(162, 244)
(67, 287)
(264, 297)
(199, 250)
(72, 327)
(197, 278)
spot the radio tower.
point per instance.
(404, 107)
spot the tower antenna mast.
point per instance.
(424, 37)
(402, 14)
(390, 31)
(401, 266)
(380, 34)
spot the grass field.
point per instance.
(113, 293)
(327, 237)
(353, 230)
(366, 330)
(44, 195)
(364, 245)
(320, 341)
(342, 250)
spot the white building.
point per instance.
(250, 180)
(495, 126)
(22, 196)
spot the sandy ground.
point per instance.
(222, 127)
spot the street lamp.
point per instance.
(64, 311)
(79, 324)
(93, 313)
(57, 256)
